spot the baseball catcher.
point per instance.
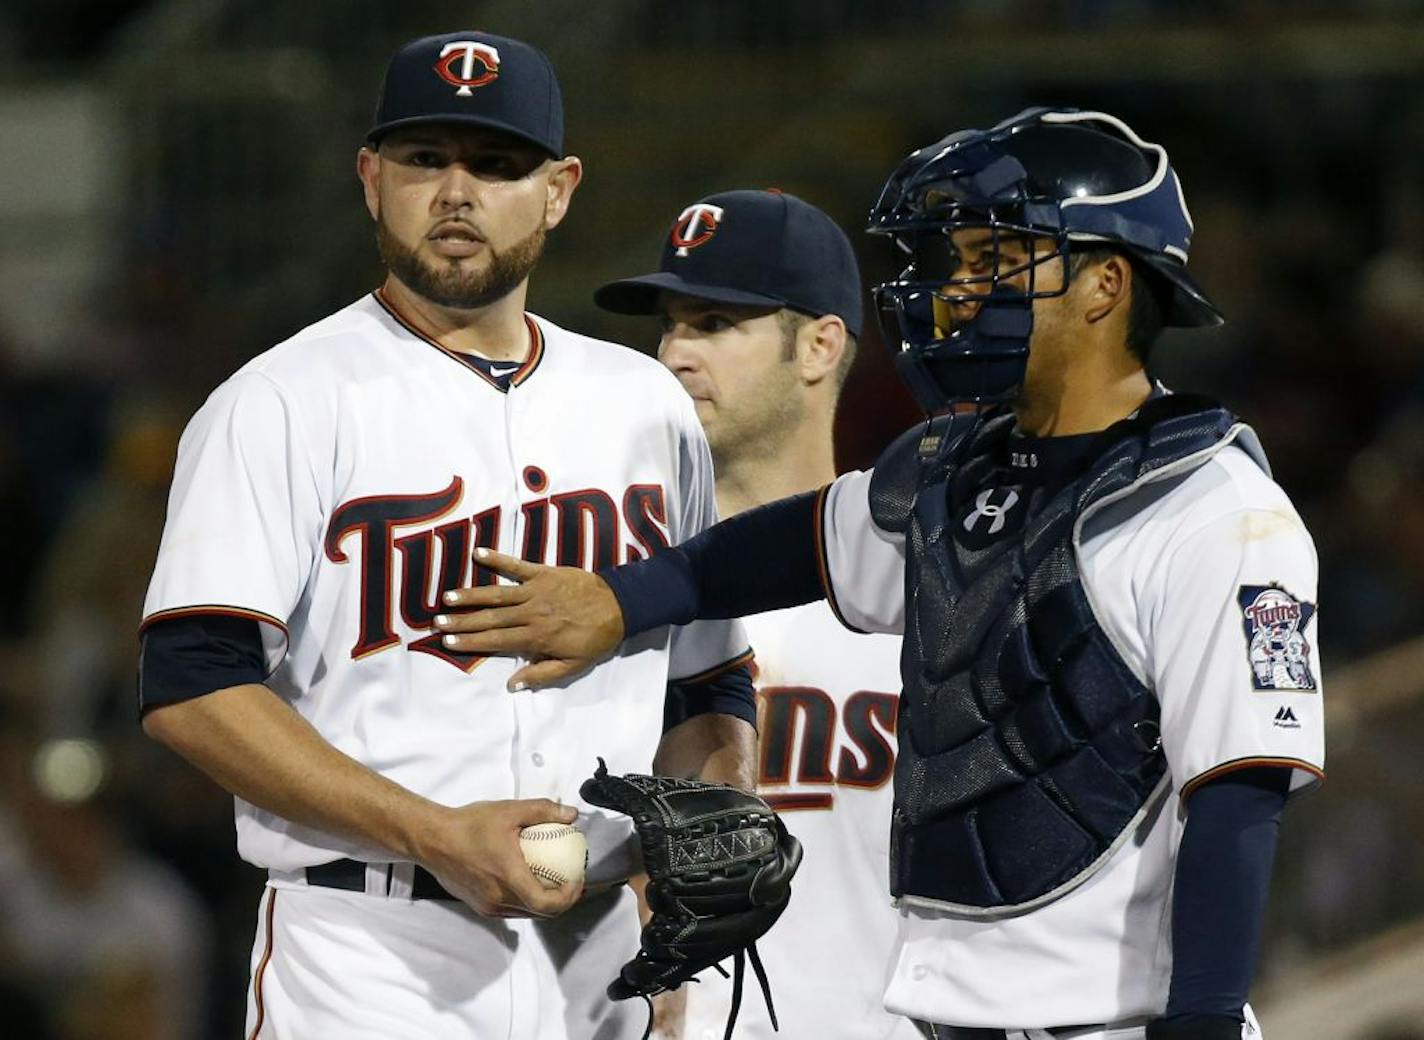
(719, 863)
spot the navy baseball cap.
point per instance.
(759, 248)
(474, 78)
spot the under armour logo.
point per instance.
(468, 53)
(997, 512)
(695, 225)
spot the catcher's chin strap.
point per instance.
(739, 960)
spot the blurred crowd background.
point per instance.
(177, 194)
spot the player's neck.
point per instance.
(496, 331)
(1080, 404)
(802, 461)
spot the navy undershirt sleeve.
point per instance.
(763, 559)
(1219, 902)
(727, 693)
(187, 657)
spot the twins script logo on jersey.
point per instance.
(468, 54)
(1276, 646)
(695, 225)
(414, 548)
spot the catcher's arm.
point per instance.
(1223, 876)
(564, 619)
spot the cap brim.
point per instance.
(378, 132)
(640, 295)
(1187, 306)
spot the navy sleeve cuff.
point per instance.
(763, 559)
(728, 693)
(186, 657)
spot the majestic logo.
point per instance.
(695, 225)
(478, 64)
(1285, 718)
(996, 512)
(414, 548)
(1276, 648)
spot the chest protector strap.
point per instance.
(1028, 749)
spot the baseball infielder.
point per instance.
(1093, 755)
(760, 301)
(326, 496)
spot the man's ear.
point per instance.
(368, 168)
(820, 345)
(1108, 283)
(564, 177)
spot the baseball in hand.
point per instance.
(555, 852)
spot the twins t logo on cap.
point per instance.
(469, 53)
(695, 225)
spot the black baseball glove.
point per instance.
(719, 865)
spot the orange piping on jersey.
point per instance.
(1248, 763)
(743, 658)
(262, 968)
(212, 610)
(823, 563)
(793, 802)
(526, 367)
(536, 352)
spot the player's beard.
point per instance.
(449, 284)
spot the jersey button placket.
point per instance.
(525, 978)
(510, 401)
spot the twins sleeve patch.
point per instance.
(1276, 646)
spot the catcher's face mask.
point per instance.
(975, 219)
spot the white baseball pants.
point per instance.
(330, 963)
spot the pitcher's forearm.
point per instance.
(716, 748)
(254, 745)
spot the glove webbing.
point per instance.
(738, 973)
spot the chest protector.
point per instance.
(1028, 749)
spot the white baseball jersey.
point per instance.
(337, 484)
(826, 734)
(1208, 593)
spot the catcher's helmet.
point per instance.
(1056, 174)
